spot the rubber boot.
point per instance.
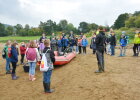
(99, 69)
(48, 90)
(44, 86)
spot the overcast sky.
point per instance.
(32, 12)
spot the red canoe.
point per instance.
(61, 60)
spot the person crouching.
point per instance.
(50, 60)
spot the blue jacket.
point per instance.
(59, 42)
(65, 42)
(72, 42)
(123, 42)
(84, 42)
(14, 57)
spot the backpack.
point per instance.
(4, 53)
(46, 62)
(31, 54)
(9, 53)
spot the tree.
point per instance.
(83, 27)
(63, 25)
(136, 13)
(130, 22)
(10, 30)
(137, 21)
(18, 28)
(93, 26)
(2, 30)
(120, 22)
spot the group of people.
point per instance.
(60, 44)
(33, 51)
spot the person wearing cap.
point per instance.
(123, 44)
(100, 47)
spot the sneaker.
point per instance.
(8, 72)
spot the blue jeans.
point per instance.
(47, 76)
(71, 48)
(32, 68)
(7, 64)
(112, 49)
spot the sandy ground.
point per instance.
(77, 80)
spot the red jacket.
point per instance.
(22, 49)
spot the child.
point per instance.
(79, 44)
(112, 43)
(71, 43)
(6, 49)
(50, 59)
(53, 44)
(93, 43)
(65, 43)
(84, 44)
(123, 43)
(14, 60)
(76, 45)
(59, 43)
(32, 56)
(22, 52)
(108, 49)
(41, 46)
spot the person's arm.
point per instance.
(86, 42)
(52, 56)
(97, 39)
(38, 55)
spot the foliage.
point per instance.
(120, 21)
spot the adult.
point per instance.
(100, 46)
(71, 36)
(42, 38)
(136, 44)
(53, 36)
(113, 43)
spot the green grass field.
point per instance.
(27, 38)
(19, 38)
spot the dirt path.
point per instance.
(77, 80)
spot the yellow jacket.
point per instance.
(136, 39)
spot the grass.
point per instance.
(19, 38)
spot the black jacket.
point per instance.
(100, 41)
(41, 38)
(113, 40)
(52, 55)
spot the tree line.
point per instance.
(47, 27)
(127, 20)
